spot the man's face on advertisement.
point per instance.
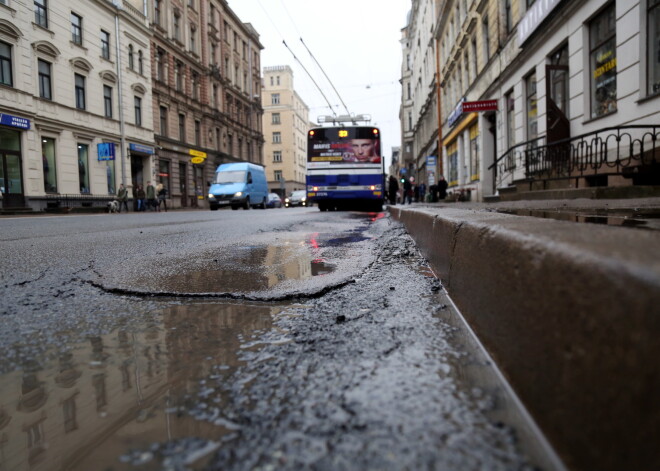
(362, 148)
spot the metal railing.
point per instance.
(67, 201)
(623, 150)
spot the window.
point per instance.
(276, 118)
(653, 47)
(410, 126)
(177, 27)
(486, 38)
(193, 34)
(80, 91)
(157, 12)
(452, 157)
(83, 168)
(5, 64)
(69, 410)
(41, 13)
(475, 160)
(110, 176)
(275, 99)
(48, 159)
(532, 107)
(602, 52)
(510, 114)
(138, 110)
(277, 156)
(277, 138)
(178, 76)
(278, 175)
(195, 86)
(107, 101)
(163, 121)
(45, 88)
(409, 91)
(160, 65)
(131, 57)
(105, 44)
(182, 127)
(508, 16)
(140, 63)
(473, 56)
(198, 133)
(214, 97)
(164, 173)
(76, 29)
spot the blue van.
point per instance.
(239, 185)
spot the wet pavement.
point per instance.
(311, 340)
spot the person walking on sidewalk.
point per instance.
(151, 197)
(161, 192)
(393, 189)
(122, 197)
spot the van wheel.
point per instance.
(234, 207)
(263, 204)
(247, 204)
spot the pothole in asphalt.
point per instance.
(245, 269)
(132, 389)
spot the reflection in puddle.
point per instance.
(125, 390)
(645, 219)
(248, 268)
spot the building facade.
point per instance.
(528, 85)
(206, 88)
(285, 125)
(71, 100)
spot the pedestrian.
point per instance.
(393, 189)
(151, 197)
(161, 192)
(407, 192)
(422, 192)
(140, 195)
(122, 197)
(442, 188)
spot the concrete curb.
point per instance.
(571, 315)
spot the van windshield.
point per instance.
(235, 176)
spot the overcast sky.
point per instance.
(356, 42)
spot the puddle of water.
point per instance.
(247, 269)
(125, 390)
(637, 218)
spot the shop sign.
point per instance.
(484, 105)
(538, 12)
(142, 149)
(431, 161)
(457, 113)
(197, 153)
(197, 160)
(14, 121)
(106, 151)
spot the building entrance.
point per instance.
(11, 180)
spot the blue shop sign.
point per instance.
(106, 151)
(141, 148)
(14, 121)
(457, 113)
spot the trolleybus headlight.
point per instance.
(373, 187)
(316, 188)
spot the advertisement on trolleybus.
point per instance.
(345, 168)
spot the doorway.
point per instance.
(183, 188)
(11, 180)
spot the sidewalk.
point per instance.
(570, 312)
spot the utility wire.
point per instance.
(326, 76)
(310, 76)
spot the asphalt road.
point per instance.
(277, 339)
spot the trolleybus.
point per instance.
(345, 168)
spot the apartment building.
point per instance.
(528, 85)
(419, 100)
(72, 99)
(206, 87)
(285, 125)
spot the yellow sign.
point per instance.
(197, 153)
(343, 133)
(197, 160)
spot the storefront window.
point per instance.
(602, 42)
(110, 176)
(164, 174)
(654, 47)
(475, 158)
(452, 157)
(510, 114)
(48, 158)
(83, 167)
(532, 107)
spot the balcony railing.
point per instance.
(625, 150)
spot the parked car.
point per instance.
(297, 198)
(273, 200)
